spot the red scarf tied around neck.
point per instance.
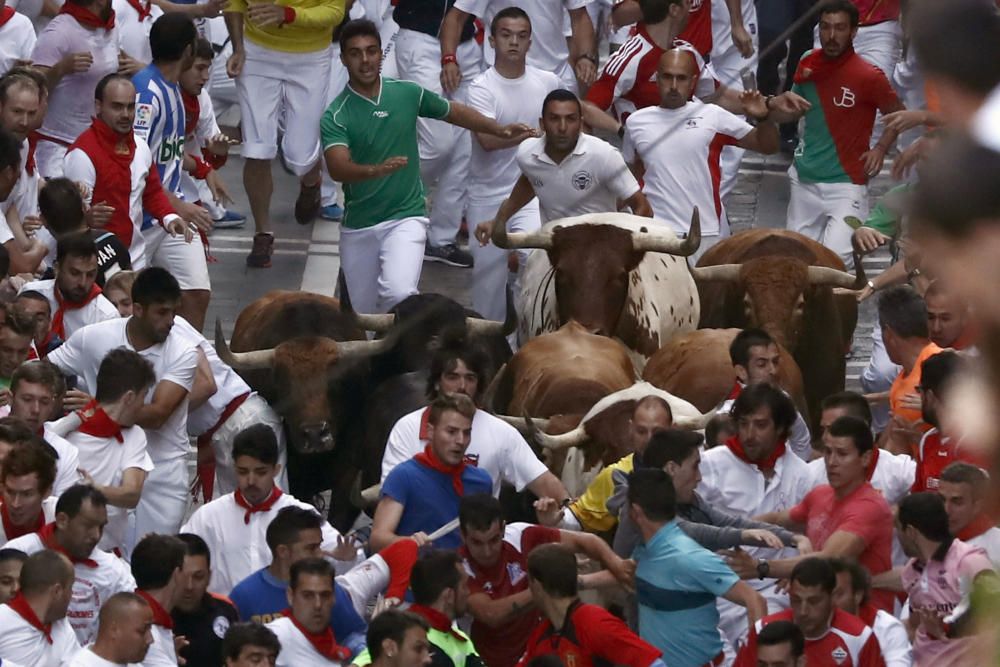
(12, 531)
(161, 616)
(6, 14)
(20, 605)
(976, 527)
(87, 18)
(736, 447)
(114, 184)
(437, 619)
(263, 506)
(48, 536)
(58, 326)
(817, 66)
(430, 460)
(143, 9)
(98, 423)
(324, 642)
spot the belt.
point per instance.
(233, 406)
(716, 661)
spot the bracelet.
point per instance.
(871, 286)
(449, 58)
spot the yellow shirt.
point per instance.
(590, 509)
(311, 30)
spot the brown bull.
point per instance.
(783, 282)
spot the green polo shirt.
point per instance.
(375, 130)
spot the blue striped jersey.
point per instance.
(159, 119)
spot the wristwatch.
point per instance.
(871, 286)
(763, 569)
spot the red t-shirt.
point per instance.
(502, 646)
(848, 643)
(935, 453)
(864, 513)
(698, 31)
(876, 11)
(590, 637)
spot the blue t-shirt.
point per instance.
(260, 598)
(429, 499)
(677, 583)
(159, 121)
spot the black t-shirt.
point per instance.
(204, 629)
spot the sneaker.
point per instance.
(449, 254)
(229, 220)
(308, 204)
(260, 254)
(332, 212)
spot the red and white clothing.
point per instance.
(799, 438)
(94, 153)
(66, 464)
(134, 19)
(161, 652)
(67, 317)
(26, 641)
(98, 577)
(847, 643)
(891, 474)
(891, 634)
(17, 38)
(504, 644)
(698, 31)
(936, 452)
(25, 195)
(982, 532)
(236, 535)
(298, 648)
(8, 531)
(944, 584)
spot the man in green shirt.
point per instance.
(369, 137)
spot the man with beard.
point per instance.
(199, 616)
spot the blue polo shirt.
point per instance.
(677, 583)
(429, 499)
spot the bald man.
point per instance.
(123, 636)
(674, 149)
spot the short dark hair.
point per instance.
(38, 371)
(358, 28)
(755, 396)
(781, 632)
(857, 430)
(27, 458)
(855, 404)
(203, 49)
(958, 472)
(155, 559)
(719, 422)
(845, 6)
(815, 572)
(925, 512)
(15, 432)
(33, 295)
(195, 546)
(12, 554)
(241, 635)
(123, 370)
(479, 511)
(107, 80)
(288, 524)
(459, 403)
(938, 371)
(43, 569)
(861, 580)
(71, 501)
(903, 311)
(561, 95)
(19, 322)
(655, 11)
(445, 358)
(170, 37)
(76, 244)
(739, 349)
(671, 444)
(553, 566)
(317, 566)
(652, 489)
(433, 573)
(391, 624)
(61, 206)
(508, 13)
(155, 285)
(257, 441)
(972, 61)
(10, 150)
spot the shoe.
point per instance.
(260, 254)
(332, 212)
(449, 254)
(229, 220)
(308, 203)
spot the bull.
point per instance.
(615, 274)
(784, 283)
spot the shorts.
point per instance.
(185, 261)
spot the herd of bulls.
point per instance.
(608, 313)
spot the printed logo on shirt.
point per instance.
(171, 150)
(537, 182)
(847, 98)
(219, 626)
(380, 114)
(143, 116)
(515, 573)
(839, 655)
(692, 123)
(582, 180)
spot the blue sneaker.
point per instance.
(332, 212)
(229, 220)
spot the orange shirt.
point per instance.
(906, 383)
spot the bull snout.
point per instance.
(317, 437)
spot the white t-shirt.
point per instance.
(174, 360)
(25, 195)
(69, 460)
(91, 588)
(682, 171)
(87, 658)
(161, 652)
(98, 310)
(24, 644)
(17, 41)
(106, 459)
(990, 543)
(48, 513)
(589, 180)
(893, 640)
(71, 102)
(296, 650)
(492, 174)
(496, 447)
(135, 34)
(893, 475)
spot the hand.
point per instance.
(761, 537)
(932, 622)
(790, 103)
(99, 215)
(911, 401)
(180, 226)
(76, 400)
(585, 70)
(212, 8)
(234, 65)
(484, 231)
(218, 188)
(85, 477)
(803, 544)
(908, 158)
(420, 538)
(873, 160)
(754, 104)
(75, 63)
(742, 563)
(743, 41)
(783, 586)
(907, 119)
(220, 144)
(128, 65)
(864, 293)
(391, 165)
(263, 14)
(196, 215)
(31, 224)
(346, 550)
(451, 77)
(384, 603)
(518, 131)
(180, 643)
(624, 571)
(867, 239)
(548, 511)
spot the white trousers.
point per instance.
(185, 261)
(164, 501)
(817, 210)
(490, 272)
(254, 410)
(382, 263)
(444, 148)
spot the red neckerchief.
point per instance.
(98, 423)
(871, 464)
(816, 66)
(29, 165)
(58, 327)
(192, 109)
(429, 459)
(437, 620)
(143, 9)
(867, 613)
(48, 537)
(425, 421)
(324, 642)
(6, 14)
(113, 186)
(976, 527)
(20, 605)
(12, 531)
(160, 615)
(736, 447)
(87, 18)
(263, 506)
(968, 338)
(735, 392)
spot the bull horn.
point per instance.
(729, 273)
(482, 327)
(516, 240)
(825, 276)
(573, 438)
(526, 426)
(698, 423)
(351, 349)
(245, 361)
(379, 323)
(670, 244)
(371, 494)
